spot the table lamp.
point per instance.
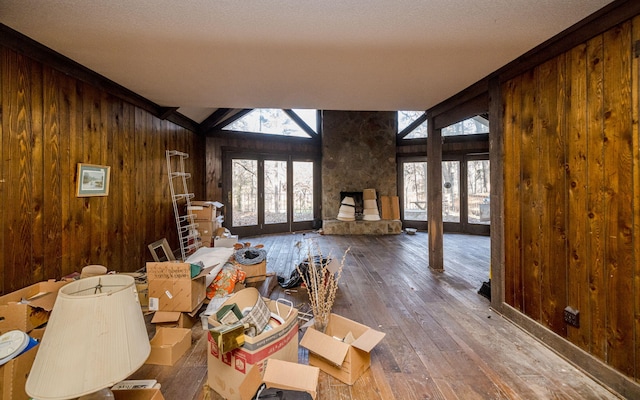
(96, 336)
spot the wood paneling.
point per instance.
(50, 123)
(595, 182)
(635, 111)
(512, 232)
(577, 151)
(569, 131)
(618, 153)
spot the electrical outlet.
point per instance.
(572, 316)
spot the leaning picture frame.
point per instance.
(93, 180)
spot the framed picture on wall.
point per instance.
(93, 180)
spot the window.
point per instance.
(415, 190)
(478, 192)
(412, 124)
(451, 191)
(274, 121)
(471, 126)
(303, 185)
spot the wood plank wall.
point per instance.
(50, 122)
(572, 195)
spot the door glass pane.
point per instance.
(451, 191)
(275, 192)
(415, 191)
(478, 189)
(244, 191)
(302, 191)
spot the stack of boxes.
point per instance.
(176, 292)
(25, 310)
(208, 217)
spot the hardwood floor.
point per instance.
(443, 341)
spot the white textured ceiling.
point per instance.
(327, 54)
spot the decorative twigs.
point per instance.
(321, 282)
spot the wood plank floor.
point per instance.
(442, 342)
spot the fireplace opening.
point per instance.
(357, 199)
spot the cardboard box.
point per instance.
(168, 345)
(203, 210)
(28, 308)
(233, 374)
(138, 394)
(143, 293)
(14, 373)
(255, 272)
(173, 319)
(291, 376)
(207, 228)
(344, 361)
(225, 241)
(171, 287)
(206, 240)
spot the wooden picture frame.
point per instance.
(160, 251)
(93, 180)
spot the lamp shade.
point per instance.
(96, 336)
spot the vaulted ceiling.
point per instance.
(201, 55)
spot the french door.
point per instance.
(465, 193)
(269, 193)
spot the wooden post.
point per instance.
(496, 156)
(434, 210)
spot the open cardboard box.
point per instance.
(28, 308)
(203, 210)
(168, 345)
(255, 272)
(14, 373)
(344, 361)
(171, 287)
(219, 241)
(173, 319)
(234, 374)
(291, 376)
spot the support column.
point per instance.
(434, 193)
(496, 156)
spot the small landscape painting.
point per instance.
(93, 180)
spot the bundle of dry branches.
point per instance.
(321, 282)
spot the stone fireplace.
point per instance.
(358, 152)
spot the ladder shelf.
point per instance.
(188, 235)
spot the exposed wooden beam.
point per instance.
(22, 44)
(301, 123)
(214, 122)
(213, 119)
(165, 112)
(472, 107)
(477, 89)
(412, 126)
(595, 24)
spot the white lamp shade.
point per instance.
(96, 336)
